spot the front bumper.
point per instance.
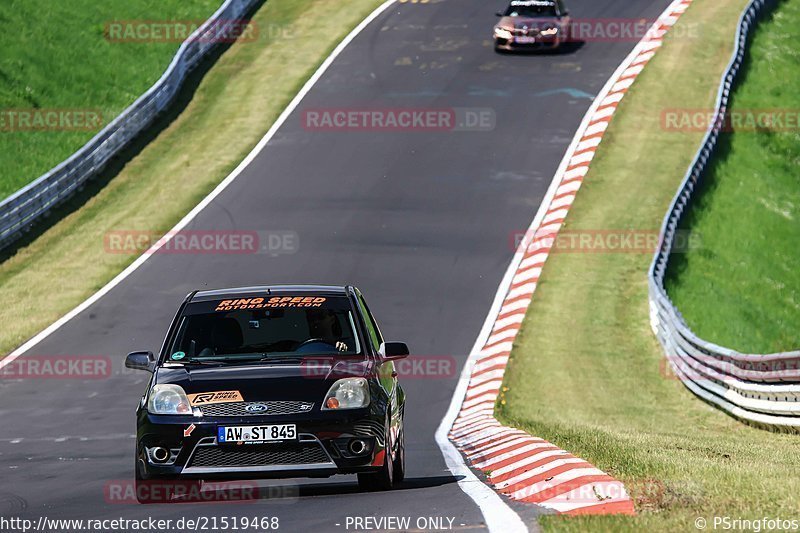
(541, 43)
(323, 447)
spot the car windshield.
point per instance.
(531, 9)
(264, 328)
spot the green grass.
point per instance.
(741, 289)
(586, 371)
(231, 109)
(56, 56)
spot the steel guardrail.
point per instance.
(763, 390)
(21, 210)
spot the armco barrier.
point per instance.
(19, 211)
(761, 389)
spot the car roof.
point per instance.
(277, 290)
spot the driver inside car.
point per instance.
(323, 325)
(226, 337)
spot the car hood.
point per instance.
(308, 380)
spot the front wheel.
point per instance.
(163, 490)
(140, 484)
(399, 473)
(384, 478)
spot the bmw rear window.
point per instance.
(531, 8)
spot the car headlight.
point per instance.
(550, 31)
(168, 400)
(502, 33)
(347, 393)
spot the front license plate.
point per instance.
(272, 433)
(526, 40)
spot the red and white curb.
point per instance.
(523, 467)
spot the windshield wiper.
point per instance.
(241, 360)
(280, 358)
(233, 361)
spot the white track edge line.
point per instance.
(498, 515)
(55, 326)
(453, 458)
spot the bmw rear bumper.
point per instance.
(509, 45)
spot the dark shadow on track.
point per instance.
(567, 48)
(291, 492)
(326, 489)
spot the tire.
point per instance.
(383, 479)
(138, 480)
(399, 473)
(141, 482)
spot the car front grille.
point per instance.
(273, 408)
(300, 453)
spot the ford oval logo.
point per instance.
(256, 408)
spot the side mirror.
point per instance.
(141, 361)
(394, 350)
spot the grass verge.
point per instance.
(586, 371)
(56, 55)
(742, 288)
(229, 111)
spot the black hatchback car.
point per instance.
(264, 382)
(532, 25)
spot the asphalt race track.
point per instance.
(421, 221)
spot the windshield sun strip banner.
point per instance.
(271, 303)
